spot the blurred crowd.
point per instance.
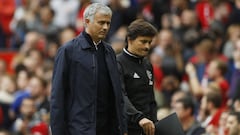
(195, 55)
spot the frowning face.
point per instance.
(99, 26)
(140, 46)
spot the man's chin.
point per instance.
(101, 37)
(144, 54)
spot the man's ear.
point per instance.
(129, 41)
(86, 21)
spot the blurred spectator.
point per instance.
(170, 21)
(37, 88)
(233, 33)
(51, 51)
(66, 35)
(172, 62)
(32, 40)
(215, 73)
(22, 79)
(166, 21)
(210, 11)
(209, 48)
(211, 106)
(18, 24)
(23, 20)
(7, 89)
(27, 111)
(33, 61)
(65, 12)
(167, 64)
(202, 114)
(205, 53)
(236, 105)
(222, 10)
(233, 123)
(184, 108)
(222, 130)
(28, 120)
(189, 19)
(177, 96)
(188, 32)
(45, 25)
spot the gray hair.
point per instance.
(91, 10)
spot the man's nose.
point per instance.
(105, 25)
(148, 45)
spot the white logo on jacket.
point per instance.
(149, 74)
(135, 75)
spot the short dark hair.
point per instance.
(140, 27)
(187, 102)
(215, 98)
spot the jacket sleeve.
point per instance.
(59, 86)
(133, 114)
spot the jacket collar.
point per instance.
(87, 42)
(132, 56)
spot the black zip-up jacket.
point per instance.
(137, 82)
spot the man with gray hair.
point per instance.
(86, 89)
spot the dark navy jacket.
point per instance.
(74, 88)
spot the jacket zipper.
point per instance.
(95, 73)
